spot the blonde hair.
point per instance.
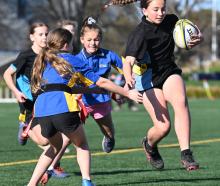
(56, 40)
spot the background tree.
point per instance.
(116, 22)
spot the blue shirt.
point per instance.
(57, 102)
(101, 63)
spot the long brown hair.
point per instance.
(35, 25)
(143, 3)
(56, 40)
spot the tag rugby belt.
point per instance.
(70, 90)
(58, 87)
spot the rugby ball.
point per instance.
(183, 31)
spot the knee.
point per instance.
(82, 145)
(42, 142)
(164, 128)
(38, 139)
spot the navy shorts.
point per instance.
(66, 123)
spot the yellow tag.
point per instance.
(21, 117)
(139, 69)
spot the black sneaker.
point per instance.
(108, 144)
(153, 155)
(188, 161)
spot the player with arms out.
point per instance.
(55, 73)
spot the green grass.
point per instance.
(121, 168)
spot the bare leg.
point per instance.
(46, 159)
(66, 142)
(155, 104)
(35, 135)
(106, 125)
(78, 138)
(179, 103)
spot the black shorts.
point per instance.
(34, 122)
(66, 123)
(161, 73)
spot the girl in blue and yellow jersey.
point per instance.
(22, 67)
(54, 78)
(100, 61)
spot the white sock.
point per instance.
(50, 168)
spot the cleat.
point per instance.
(22, 140)
(87, 183)
(58, 172)
(188, 161)
(108, 144)
(153, 155)
(45, 178)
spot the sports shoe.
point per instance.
(22, 140)
(45, 178)
(188, 161)
(58, 172)
(87, 183)
(108, 144)
(153, 155)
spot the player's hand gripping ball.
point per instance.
(183, 32)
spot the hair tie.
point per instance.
(91, 21)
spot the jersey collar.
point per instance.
(98, 53)
(150, 25)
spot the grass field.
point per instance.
(126, 165)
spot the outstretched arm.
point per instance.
(112, 87)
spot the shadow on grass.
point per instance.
(115, 172)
